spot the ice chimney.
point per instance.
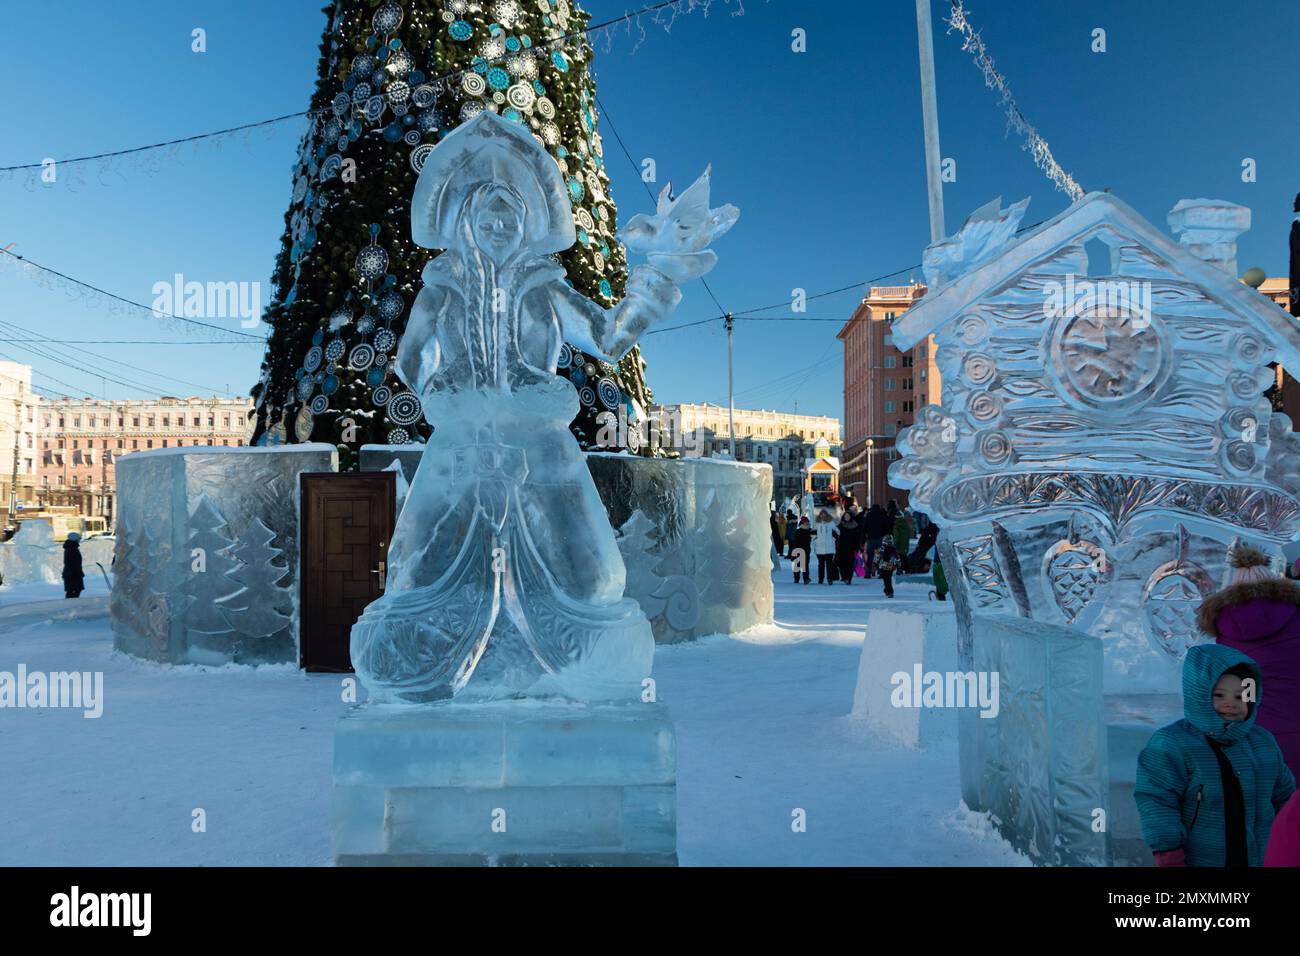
(1209, 229)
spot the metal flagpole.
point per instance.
(731, 396)
(930, 115)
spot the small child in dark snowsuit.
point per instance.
(887, 562)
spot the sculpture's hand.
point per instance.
(682, 226)
(683, 267)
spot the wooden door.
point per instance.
(347, 526)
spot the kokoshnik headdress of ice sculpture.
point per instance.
(1104, 432)
(505, 578)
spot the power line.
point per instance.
(301, 113)
(131, 341)
(94, 374)
(43, 375)
(747, 314)
(609, 121)
(138, 305)
(674, 328)
(34, 388)
(105, 358)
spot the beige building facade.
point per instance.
(784, 440)
(81, 438)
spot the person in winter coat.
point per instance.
(902, 532)
(74, 581)
(875, 525)
(824, 545)
(778, 531)
(791, 521)
(887, 563)
(847, 546)
(801, 550)
(1259, 614)
(1209, 785)
(1284, 839)
(927, 534)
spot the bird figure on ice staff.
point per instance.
(505, 577)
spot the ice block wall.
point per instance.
(1042, 761)
(693, 533)
(32, 556)
(206, 564)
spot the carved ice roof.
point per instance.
(945, 303)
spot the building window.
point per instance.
(121, 443)
(891, 430)
(889, 406)
(151, 421)
(134, 443)
(226, 421)
(923, 371)
(889, 340)
(889, 384)
(167, 421)
(148, 443)
(164, 444)
(74, 443)
(135, 421)
(196, 421)
(890, 361)
(121, 422)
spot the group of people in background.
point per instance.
(876, 542)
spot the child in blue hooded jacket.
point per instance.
(1209, 785)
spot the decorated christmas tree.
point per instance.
(394, 77)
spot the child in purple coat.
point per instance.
(1259, 615)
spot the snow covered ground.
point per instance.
(761, 720)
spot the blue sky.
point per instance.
(821, 150)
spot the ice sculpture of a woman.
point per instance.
(505, 576)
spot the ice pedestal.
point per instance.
(505, 783)
(906, 643)
(1040, 767)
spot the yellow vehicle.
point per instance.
(63, 523)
